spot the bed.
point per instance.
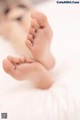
(62, 100)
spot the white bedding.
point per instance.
(62, 100)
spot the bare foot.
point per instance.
(20, 69)
(39, 39)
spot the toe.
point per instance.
(16, 60)
(22, 59)
(10, 69)
(32, 31)
(30, 37)
(29, 60)
(13, 60)
(10, 58)
(40, 17)
(34, 24)
(8, 66)
(28, 44)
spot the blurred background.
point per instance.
(39, 1)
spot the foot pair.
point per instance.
(38, 41)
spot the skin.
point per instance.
(39, 39)
(15, 30)
(36, 66)
(22, 68)
(15, 26)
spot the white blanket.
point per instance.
(62, 100)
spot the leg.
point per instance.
(19, 69)
(40, 35)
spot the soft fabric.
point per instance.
(62, 100)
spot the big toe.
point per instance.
(40, 17)
(8, 66)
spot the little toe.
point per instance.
(41, 18)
